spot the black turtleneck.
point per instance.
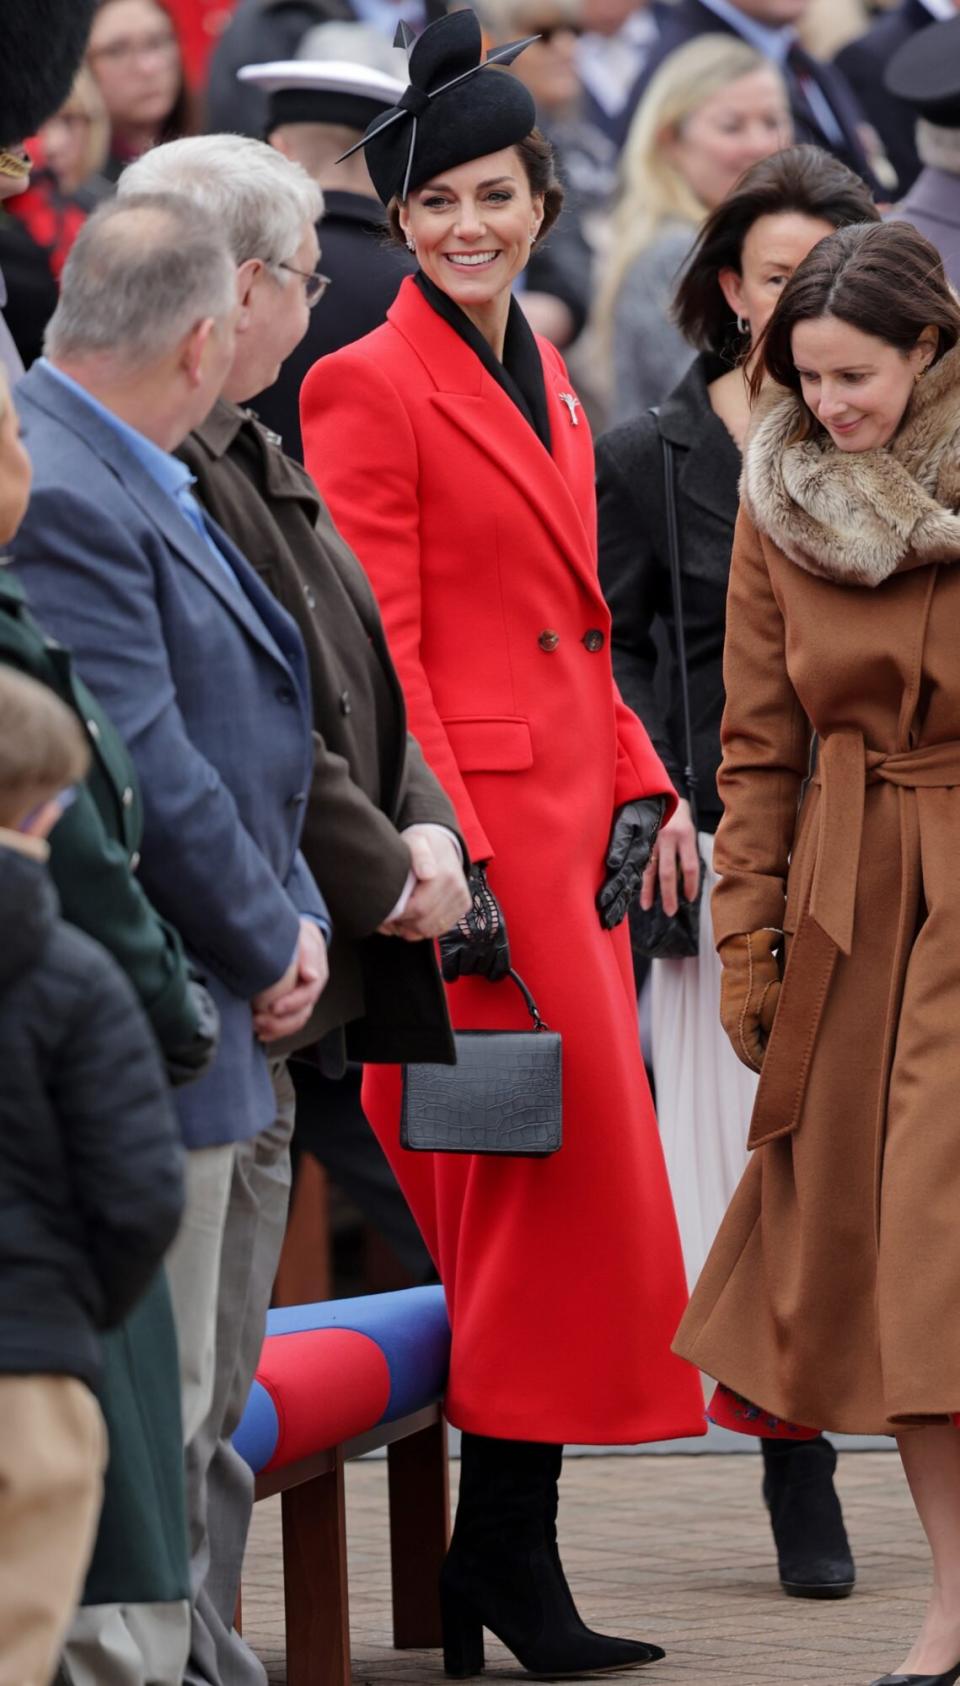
(521, 372)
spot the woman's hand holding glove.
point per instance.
(477, 946)
(749, 991)
(632, 837)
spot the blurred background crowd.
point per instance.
(655, 110)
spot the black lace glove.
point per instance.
(186, 1064)
(632, 837)
(477, 945)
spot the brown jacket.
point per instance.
(370, 779)
(830, 1295)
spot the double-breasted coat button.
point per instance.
(548, 640)
(297, 800)
(134, 860)
(127, 797)
(286, 694)
(594, 640)
(346, 706)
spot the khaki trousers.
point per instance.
(53, 1452)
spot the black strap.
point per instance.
(673, 556)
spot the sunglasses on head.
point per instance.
(547, 31)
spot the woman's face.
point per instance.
(135, 58)
(744, 122)
(549, 66)
(773, 247)
(65, 140)
(15, 472)
(472, 227)
(856, 385)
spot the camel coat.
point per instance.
(830, 1297)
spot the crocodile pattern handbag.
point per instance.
(503, 1096)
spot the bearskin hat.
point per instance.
(41, 45)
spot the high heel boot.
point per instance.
(503, 1570)
(813, 1551)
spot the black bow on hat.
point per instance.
(455, 114)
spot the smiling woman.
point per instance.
(454, 457)
(836, 911)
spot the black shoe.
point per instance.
(813, 1552)
(503, 1571)
(952, 1675)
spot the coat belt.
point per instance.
(845, 768)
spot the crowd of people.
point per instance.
(345, 683)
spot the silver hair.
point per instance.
(143, 271)
(261, 200)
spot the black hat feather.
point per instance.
(456, 107)
(41, 45)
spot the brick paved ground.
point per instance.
(674, 1549)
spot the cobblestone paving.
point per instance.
(674, 1549)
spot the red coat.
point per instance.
(563, 1276)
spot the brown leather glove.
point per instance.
(749, 990)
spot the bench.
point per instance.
(336, 1380)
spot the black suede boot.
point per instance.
(813, 1551)
(503, 1570)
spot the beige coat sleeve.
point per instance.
(766, 746)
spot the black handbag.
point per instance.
(655, 935)
(503, 1096)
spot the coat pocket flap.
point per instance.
(496, 743)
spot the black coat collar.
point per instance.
(521, 372)
(708, 466)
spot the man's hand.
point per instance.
(440, 896)
(674, 862)
(285, 1007)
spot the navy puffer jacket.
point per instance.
(91, 1165)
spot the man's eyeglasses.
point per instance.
(314, 284)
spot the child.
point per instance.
(90, 1189)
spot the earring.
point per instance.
(411, 245)
(918, 377)
(743, 325)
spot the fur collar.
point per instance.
(856, 517)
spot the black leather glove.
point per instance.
(186, 1064)
(477, 946)
(632, 837)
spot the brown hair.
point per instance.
(538, 158)
(183, 117)
(42, 746)
(803, 179)
(884, 278)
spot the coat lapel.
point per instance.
(553, 484)
(708, 470)
(248, 602)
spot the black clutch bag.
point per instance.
(502, 1097)
(655, 935)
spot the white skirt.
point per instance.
(704, 1095)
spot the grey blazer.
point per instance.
(207, 683)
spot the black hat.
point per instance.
(455, 108)
(925, 72)
(41, 45)
(323, 91)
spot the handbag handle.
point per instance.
(531, 1005)
(676, 589)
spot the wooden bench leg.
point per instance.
(315, 1582)
(419, 1481)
